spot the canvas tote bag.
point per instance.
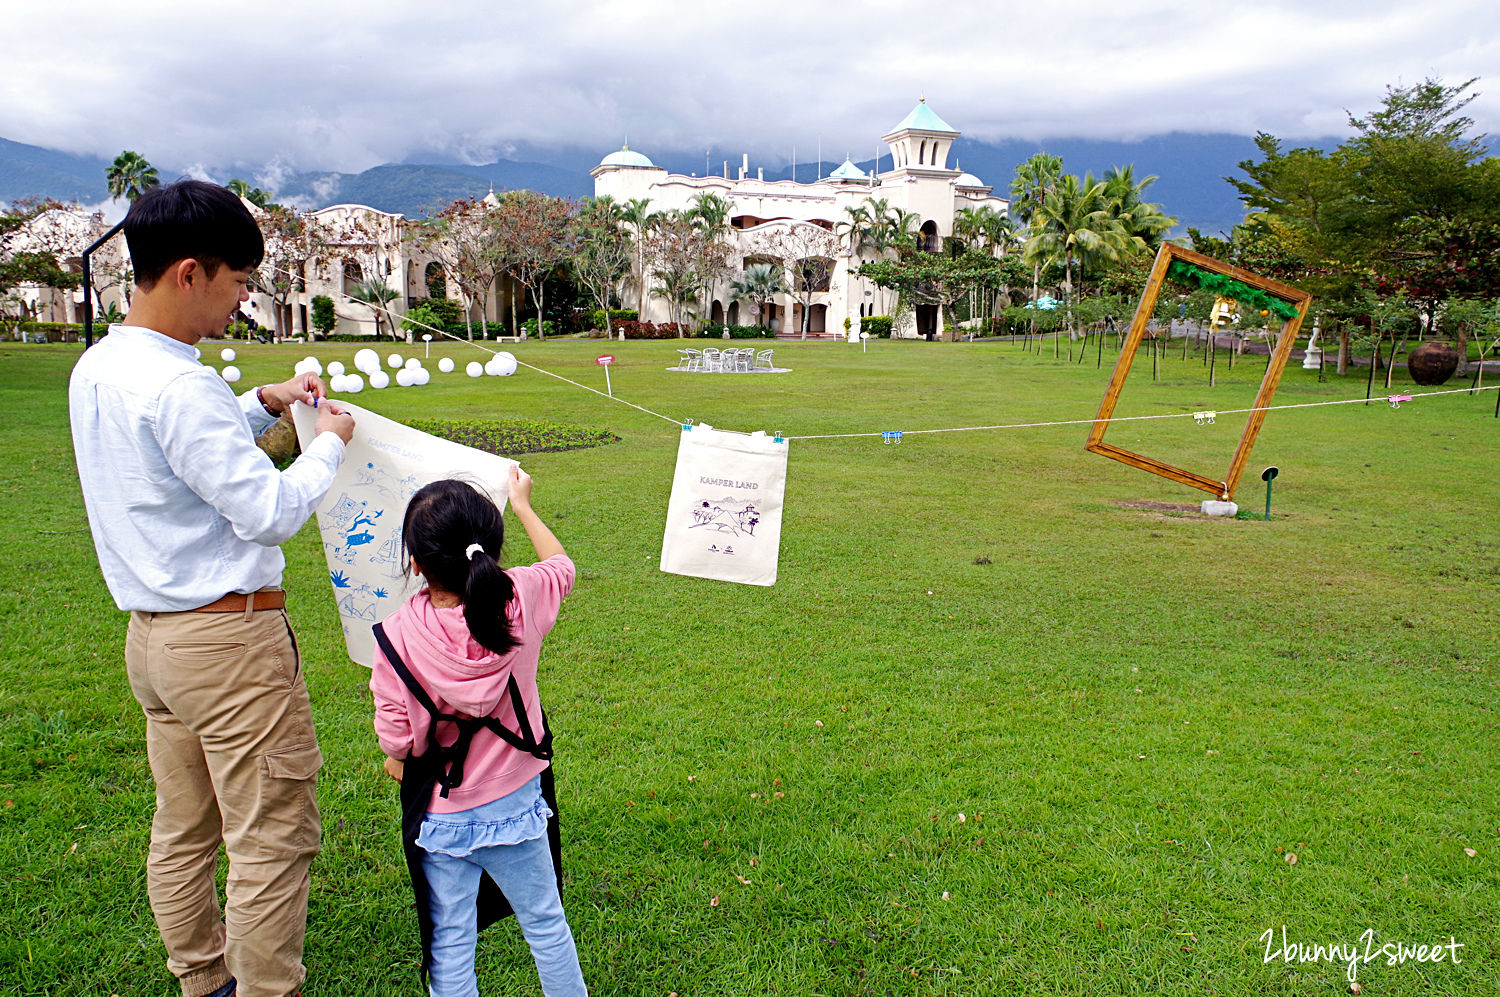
(724, 516)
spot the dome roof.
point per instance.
(968, 180)
(625, 157)
(848, 171)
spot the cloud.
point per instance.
(323, 89)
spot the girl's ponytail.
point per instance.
(487, 594)
(455, 533)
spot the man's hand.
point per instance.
(332, 418)
(393, 768)
(306, 388)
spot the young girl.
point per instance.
(459, 661)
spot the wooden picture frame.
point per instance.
(1221, 489)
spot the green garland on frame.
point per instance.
(1228, 287)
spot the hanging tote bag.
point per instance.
(724, 516)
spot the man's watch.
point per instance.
(260, 397)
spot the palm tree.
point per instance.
(1075, 225)
(711, 211)
(1028, 191)
(759, 283)
(378, 296)
(1143, 222)
(256, 196)
(129, 175)
(638, 215)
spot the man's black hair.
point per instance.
(190, 219)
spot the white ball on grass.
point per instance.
(422, 375)
(474, 369)
(230, 373)
(393, 361)
(413, 363)
(336, 382)
(335, 368)
(367, 360)
(226, 355)
(403, 377)
(446, 365)
(353, 383)
(380, 379)
(504, 364)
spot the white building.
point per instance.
(919, 181)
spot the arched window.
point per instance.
(353, 274)
(437, 280)
(921, 152)
(928, 240)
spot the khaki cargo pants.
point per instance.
(229, 735)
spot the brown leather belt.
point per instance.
(234, 602)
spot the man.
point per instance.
(186, 514)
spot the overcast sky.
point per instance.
(345, 86)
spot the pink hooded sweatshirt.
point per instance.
(463, 676)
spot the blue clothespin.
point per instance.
(890, 436)
(687, 427)
(778, 438)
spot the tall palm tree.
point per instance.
(711, 211)
(637, 213)
(1028, 191)
(1074, 225)
(1144, 222)
(129, 175)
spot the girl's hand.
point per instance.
(393, 768)
(520, 486)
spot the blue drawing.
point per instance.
(359, 611)
(340, 580)
(381, 593)
(343, 511)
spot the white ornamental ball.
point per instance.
(446, 365)
(226, 355)
(230, 373)
(367, 360)
(336, 382)
(506, 364)
(413, 363)
(474, 369)
(380, 379)
(422, 375)
(353, 383)
(393, 361)
(403, 377)
(492, 367)
(335, 368)
(312, 364)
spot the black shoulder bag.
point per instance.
(437, 767)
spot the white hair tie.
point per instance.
(473, 549)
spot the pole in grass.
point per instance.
(604, 362)
(1268, 476)
(427, 349)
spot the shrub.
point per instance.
(616, 315)
(878, 326)
(421, 319)
(515, 436)
(323, 317)
(549, 327)
(647, 330)
(447, 310)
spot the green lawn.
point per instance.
(999, 728)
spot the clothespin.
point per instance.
(1204, 418)
(890, 436)
(778, 438)
(687, 427)
(1396, 400)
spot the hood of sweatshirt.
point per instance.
(456, 668)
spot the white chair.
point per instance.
(763, 360)
(713, 360)
(744, 360)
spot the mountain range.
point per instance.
(1190, 168)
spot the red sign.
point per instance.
(605, 360)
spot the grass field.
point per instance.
(1001, 727)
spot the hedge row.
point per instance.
(515, 436)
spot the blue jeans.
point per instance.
(523, 870)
